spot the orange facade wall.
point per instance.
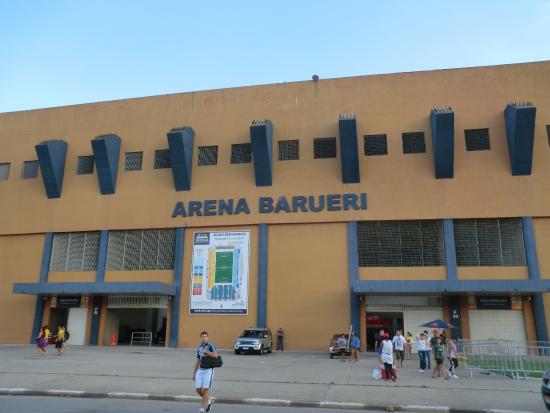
(308, 283)
(399, 186)
(20, 258)
(61, 277)
(402, 273)
(542, 237)
(164, 276)
(223, 329)
(492, 273)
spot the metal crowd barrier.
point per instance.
(143, 338)
(506, 358)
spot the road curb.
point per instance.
(252, 401)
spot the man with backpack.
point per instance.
(203, 375)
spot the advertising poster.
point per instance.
(219, 273)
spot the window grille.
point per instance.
(477, 139)
(208, 155)
(4, 171)
(85, 165)
(414, 142)
(241, 153)
(489, 242)
(162, 159)
(289, 150)
(30, 170)
(324, 148)
(74, 251)
(376, 145)
(133, 161)
(150, 249)
(400, 243)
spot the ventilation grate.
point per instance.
(85, 165)
(414, 142)
(324, 148)
(489, 242)
(133, 161)
(289, 150)
(241, 153)
(162, 159)
(477, 140)
(150, 249)
(400, 243)
(136, 301)
(74, 251)
(376, 145)
(4, 171)
(208, 155)
(30, 170)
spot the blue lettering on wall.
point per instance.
(266, 205)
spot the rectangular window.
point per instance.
(133, 161)
(162, 159)
(148, 249)
(376, 145)
(414, 142)
(208, 155)
(548, 133)
(477, 140)
(30, 170)
(85, 165)
(74, 251)
(400, 243)
(289, 150)
(4, 171)
(324, 148)
(241, 153)
(489, 242)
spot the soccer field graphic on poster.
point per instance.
(219, 273)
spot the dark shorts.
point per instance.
(341, 351)
(59, 344)
(400, 354)
(439, 362)
(454, 361)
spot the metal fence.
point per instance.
(505, 357)
(141, 338)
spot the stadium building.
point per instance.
(372, 201)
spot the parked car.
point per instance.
(545, 390)
(254, 339)
(333, 345)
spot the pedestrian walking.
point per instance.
(355, 347)
(280, 339)
(204, 377)
(59, 340)
(453, 357)
(387, 357)
(378, 339)
(429, 350)
(399, 347)
(408, 345)
(342, 347)
(433, 342)
(42, 342)
(423, 346)
(438, 358)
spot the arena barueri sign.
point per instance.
(269, 205)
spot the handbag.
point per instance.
(376, 373)
(208, 362)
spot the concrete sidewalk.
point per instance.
(292, 378)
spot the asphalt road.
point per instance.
(34, 404)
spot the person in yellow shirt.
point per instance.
(59, 340)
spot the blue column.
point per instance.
(353, 271)
(176, 301)
(100, 278)
(450, 249)
(44, 270)
(534, 275)
(262, 276)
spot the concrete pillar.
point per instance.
(363, 323)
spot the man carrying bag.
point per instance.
(203, 374)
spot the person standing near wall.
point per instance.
(280, 339)
(355, 347)
(204, 377)
(399, 346)
(342, 347)
(408, 345)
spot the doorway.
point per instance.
(390, 322)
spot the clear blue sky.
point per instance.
(56, 53)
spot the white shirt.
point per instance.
(399, 342)
(387, 352)
(422, 345)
